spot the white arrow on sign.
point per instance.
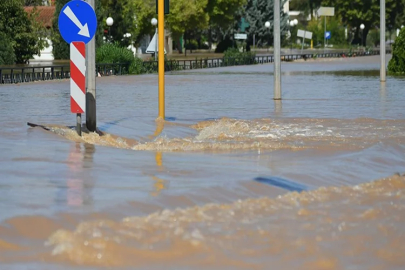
(84, 29)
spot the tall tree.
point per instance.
(7, 56)
(356, 12)
(17, 26)
(122, 12)
(60, 48)
(397, 62)
(308, 7)
(222, 14)
(257, 13)
(186, 15)
(145, 10)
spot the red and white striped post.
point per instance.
(78, 81)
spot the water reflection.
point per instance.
(79, 183)
(278, 107)
(160, 124)
(383, 98)
(160, 184)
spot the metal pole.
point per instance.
(303, 40)
(91, 122)
(324, 37)
(161, 59)
(156, 42)
(277, 51)
(254, 41)
(79, 124)
(383, 72)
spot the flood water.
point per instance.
(231, 179)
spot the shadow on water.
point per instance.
(281, 183)
(110, 124)
(170, 119)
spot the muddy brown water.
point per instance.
(231, 179)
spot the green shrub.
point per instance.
(397, 62)
(114, 54)
(234, 56)
(136, 67)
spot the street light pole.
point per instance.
(267, 25)
(362, 34)
(277, 51)
(383, 72)
(154, 23)
(91, 120)
(109, 23)
(292, 24)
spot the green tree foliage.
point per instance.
(257, 13)
(32, 2)
(187, 15)
(309, 7)
(400, 18)
(145, 10)
(333, 25)
(222, 12)
(122, 12)
(222, 17)
(397, 62)
(39, 29)
(356, 12)
(60, 48)
(17, 27)
(100, 22)
(7, 56)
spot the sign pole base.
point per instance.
(79, 124)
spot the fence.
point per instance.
(31, 74)
(173, 65)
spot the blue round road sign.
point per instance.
(77, 22)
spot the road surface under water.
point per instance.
(231, 179)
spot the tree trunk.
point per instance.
(185, 43)
(357, 37)
(209, 39)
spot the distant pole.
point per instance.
(303, 41)
(156, 43)
(154, 23)
(79, 124)
(277, 51)
(254, 41)
(324, 37)
(383, 72)
(161, 59)
(91, 122)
